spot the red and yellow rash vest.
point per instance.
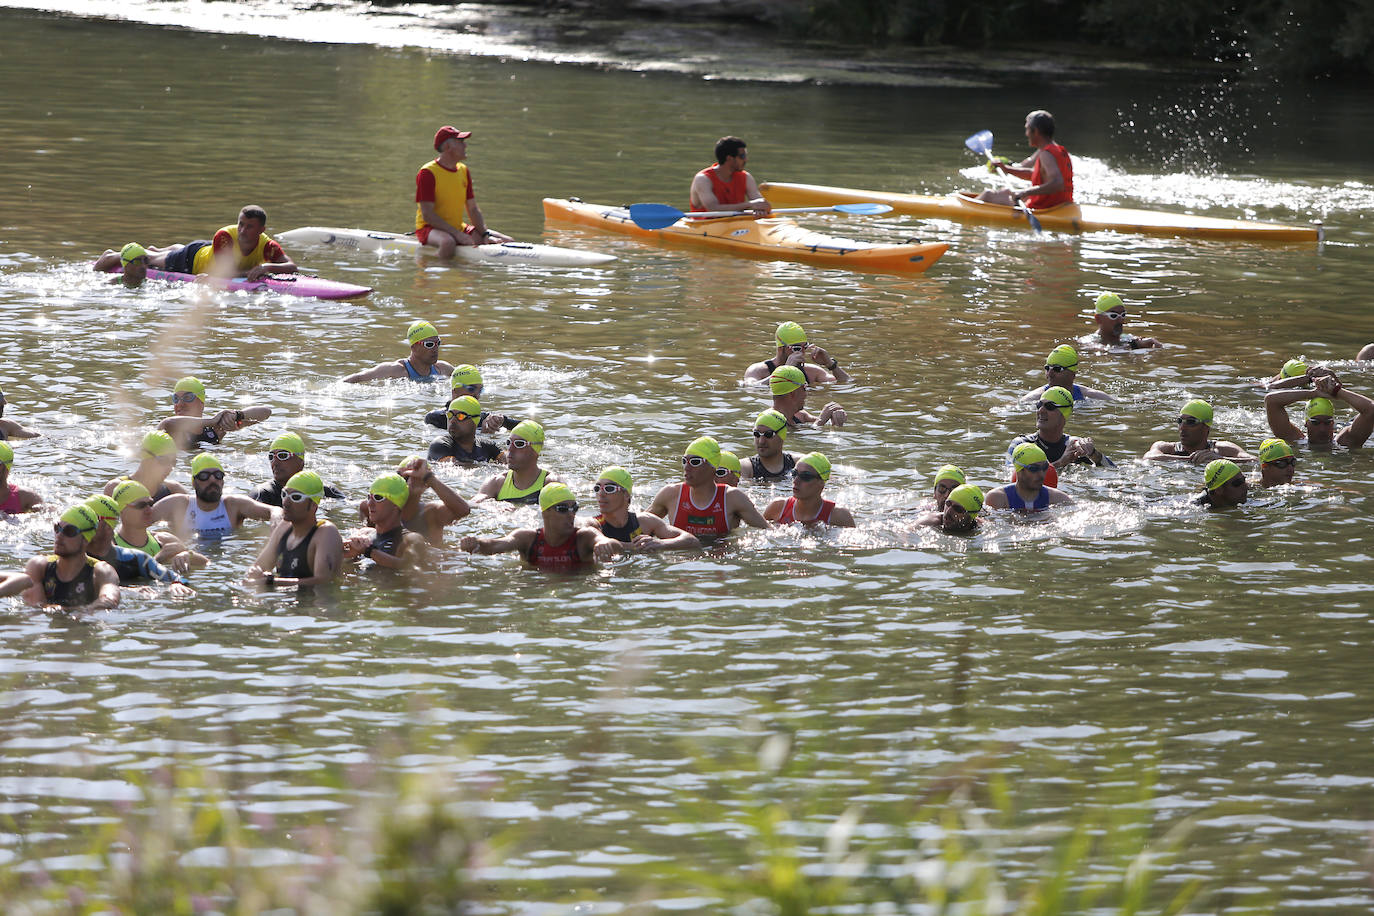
(227, 239)
(1061, 159)
(448, 189)
(711, 521)
(736, 192)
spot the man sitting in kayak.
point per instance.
(726, 185)
(242, 250)
(1049, 170)
(444, 201)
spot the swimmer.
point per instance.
(1110, 315)
(730, 468)
(386, 542)
(1295, 373)
(1028, 493)
(946, 479)
(241, 250)
(17, 499)
(422, 365)
(1192, 445)
(960, 515)
(304, 550)
(460, 443)
(559, 544)
(286, 458)
(522, 483)
(640, 531)
(1061, 369)
(1225, 485)
(429, 518)
(466, 380)
(133, 263)
(701, 505)
(788, 387)
(1277, 463)
(10, 429)
(209, 513)
(1366, 352)
(770, 462)
(157, 455)
(68, 579)
(187, 425)
(1052, 413)
(807, 504)
(129, 565)
(794, 350)
(1320, 427)
(135, 515)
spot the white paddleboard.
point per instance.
(372, 240)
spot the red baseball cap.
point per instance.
(446, 133)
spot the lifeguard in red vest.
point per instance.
(726, 185)
(1049, 170)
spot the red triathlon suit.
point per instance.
(711, 521)
(1061, 159)
(546, 556)
(823, 518)
(736, 192)
(12, 505)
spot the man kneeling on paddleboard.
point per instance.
(444, 199)
(242, 250)
(1049, 170)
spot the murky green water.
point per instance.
(1229, 650)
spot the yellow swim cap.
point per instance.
(83, 518)
(1108, 301)
(1320, 407)
(1027, 453)
(157, 443)
(786, 379)
(131, 251)
(774, 420)
(788, 333)
(531, 431)
(307, 482)
(129, 491)
(465, 374)
(617, 475)
(420, 330)
(6, 455)
(1062, 398)
(393, 487)
(730, 461)
(704, 447)
(1273, 450)
(204, 462)
(105, 508)
(1200, 410)
(818, 463)
(406, 462)
(554, 493)
(192, 385)
(1063, 355)
(466, 404)
(289, 442)
(1218, 472)
(1293, 368)
(949, 472)
(968, 497)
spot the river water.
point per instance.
(1227, 652)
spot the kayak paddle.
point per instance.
(981, 142)
(659, 216)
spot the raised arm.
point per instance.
(1275, 411)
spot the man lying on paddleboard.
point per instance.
(242, 250)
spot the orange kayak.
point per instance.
(770, 239)
(962, 207)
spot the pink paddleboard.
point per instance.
(290, 284)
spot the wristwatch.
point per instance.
(834, 364)
(270, 580)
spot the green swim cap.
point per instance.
(1293, 368)
(786, 379)
(407, 461)
(1060, 397)
(554, 493)
(532, 431)
(818, 463)
(290, 442)
(704, 447)
(157, 443)
(105, 508)
(1027, 453)
(465, 374)
(307, 482)
(617, 475)
(131, 251)
(1063, 355)
(774, 420)
(730, 461)
(393, 487)
(129, 491)
(1273, 450)
(192, 385)
(788, 333)
(1320, 407)
(1108, 301)
(1218, 472)
(420, 330)
(204, 462)
(6, 455)
(466, 404)
(967, 496)
(83, 518)
(1200, 410)
(949, 472)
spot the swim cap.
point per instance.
(131, 251)
(447, 133)
(204, 462)
(393, 487)
(465, 374)
(1061, 397)
(554, 493)
(466, 404)
(774, 420)
(1198, 409)
(1320, 407)
(6, 455)
(789, 332)
(1293, 368)
(420, 330)
(968, 497)
(730, 461)
(157, 443)
(307, 482)
(528, 429)
(192, 385)
(818, 463)
(1108, 301)
(406, 462)
(1063, 355)
(704, 447)
(1273, 450)
(1218, 472)
(290, 442)
(1027, 453)
(129, 491)
(105, 508)
(949, 472)
(82, 517)
(786, 379)
(616, 474)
